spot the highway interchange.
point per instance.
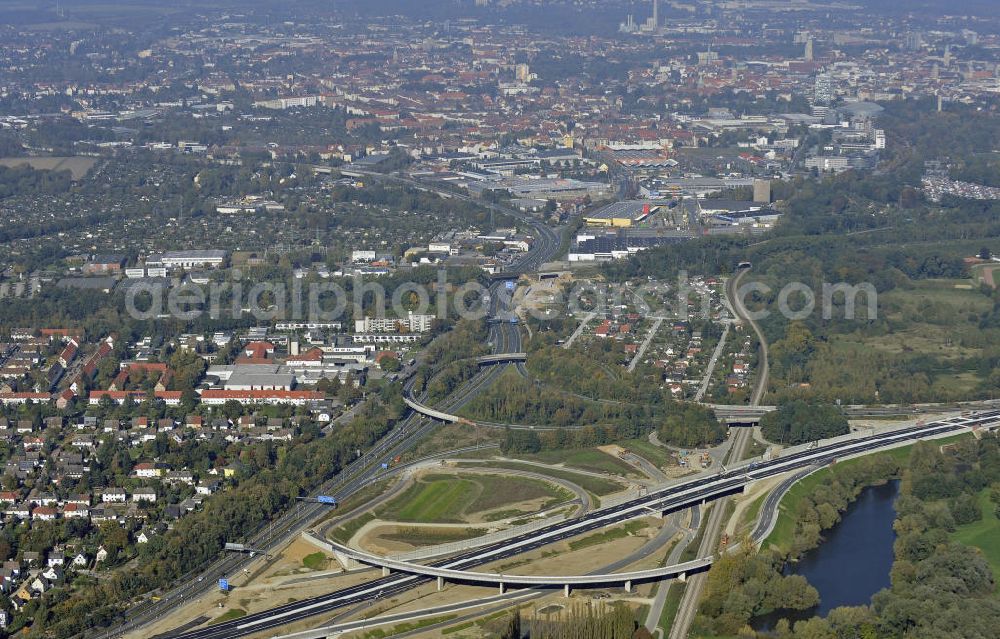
(665, 500)
(504, 337)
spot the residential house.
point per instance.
(207, 487)
(44, 513)
(179, 477)
(144, 495)
(76, 511)
(20, 511)
(114, 495)
(150, 470)
(54, 575)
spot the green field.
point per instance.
(229, 615)
(433, 536)
(433, 499)
(658, 455)
(499, 491)
(451, 498)
(316, 561)
(931, 326)
(588, 459)
(594, 485)
(983, 534)
(342, 534)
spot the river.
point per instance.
(854, 560)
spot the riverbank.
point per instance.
(853, 562)
(937, 547)
(782, 538)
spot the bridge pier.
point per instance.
(503, 589)
(682, 577)
(385, 571)
(628, 586)
(440, 584)
(566, 591)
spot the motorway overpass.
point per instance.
(502, 581)
(668, 499)
(501, 358)
(752, 414)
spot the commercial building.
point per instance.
(622, 214)
(611, 245)
(187, 259)
(701, 186)
(826, 163)
(559, 189)
(728, 207)
(246, 377)
(297, 398)
(104, 265)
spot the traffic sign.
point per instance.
(224, 585)
(510, 285)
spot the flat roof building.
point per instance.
(188, 259)
(622, 214)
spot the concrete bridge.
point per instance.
(498, 580)
(500, 358)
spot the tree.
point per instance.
(232, 409)
(690, 425)
(798, 422)
(390, 364)
(520, 441)
(115, 540)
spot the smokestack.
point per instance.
(656, 13)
